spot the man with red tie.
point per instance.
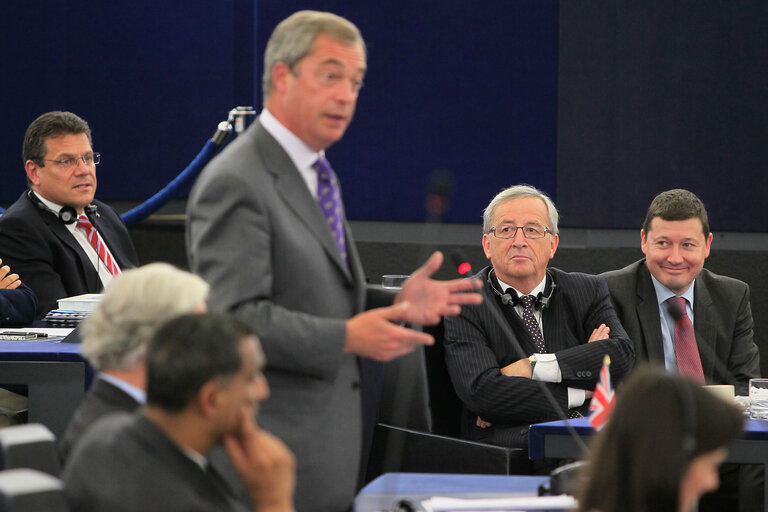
(676, 312)
(692, 321)
(58, 239)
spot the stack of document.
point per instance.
(72, 310)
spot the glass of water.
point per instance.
(393, 282)
(758, 399)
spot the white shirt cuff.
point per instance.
(547, 369)
(576, 397)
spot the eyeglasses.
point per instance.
(530, 231)
(68, 163)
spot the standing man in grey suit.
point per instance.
(266, 228)
(676, 240)
(535, 324)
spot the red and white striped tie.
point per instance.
(98, 244)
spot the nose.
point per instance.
(80, 166)
(519, 239)
(675, 256)
(259, 390)
(346, 92)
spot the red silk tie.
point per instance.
(686, 351)
(98, 244)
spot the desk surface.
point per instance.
(39, 351)
(386, 490)
(754, 430)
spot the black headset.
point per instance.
(67, 214)
(510, 297)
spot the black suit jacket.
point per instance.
(102, 399)
(124, 463)
(477, 348)
(40, 248)
(722, 322)
(17, 307)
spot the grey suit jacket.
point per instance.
(722, 322)
(124, 463)
(256, 234)
(477, 347)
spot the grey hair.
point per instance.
(519, 192)
(136, 303)
(294, 37)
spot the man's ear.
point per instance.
(280, 75)
(33, 172)
(208, 399)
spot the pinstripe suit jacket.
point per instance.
(476, 348)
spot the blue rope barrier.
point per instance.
(152, 204)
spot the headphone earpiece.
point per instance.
(67, 214)
(510, 297)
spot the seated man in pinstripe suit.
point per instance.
(535, 324)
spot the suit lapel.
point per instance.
(294, 192)
(60, 230)
(704, 328)
(647, 310)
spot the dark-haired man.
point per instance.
(676, 240)
(204, 382)
(713, 309)
(56, 236)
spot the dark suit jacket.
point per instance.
(476, 348)
(40, 248)
(17, 307)
(102, 399)
(722, 322)
(256, 234)
(124, 463)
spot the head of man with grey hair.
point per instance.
(116, 335)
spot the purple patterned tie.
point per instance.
(529, 319)
(329, 200)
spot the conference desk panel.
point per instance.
(384, 493)
(56, 377)
(553, 440)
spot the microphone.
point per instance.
(704, 349)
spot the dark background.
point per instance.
(600, 103)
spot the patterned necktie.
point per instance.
(329, 200)
(529, 319)
(686, 351)
(93, 236)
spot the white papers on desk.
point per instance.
(440, 504)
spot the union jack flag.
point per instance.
(602, 401)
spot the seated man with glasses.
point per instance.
(58, 239)
(535, 324)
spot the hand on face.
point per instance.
(266, 466)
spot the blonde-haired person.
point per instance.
(116, 334)
(661, 450)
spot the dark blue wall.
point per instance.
(468, 87)
(602, 103)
